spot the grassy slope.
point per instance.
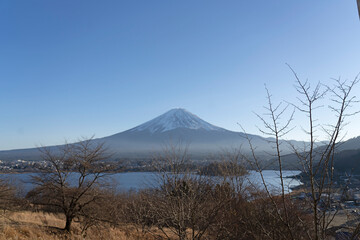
(39, 225)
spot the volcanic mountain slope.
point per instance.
(177, 125)
(174, 127)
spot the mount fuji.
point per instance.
(177, 125)
(173, 119)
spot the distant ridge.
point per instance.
(143, 141)
(204, 141)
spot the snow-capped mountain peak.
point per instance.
(175, 118)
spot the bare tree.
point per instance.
(186, 204)
(71, 180)
(317, 161)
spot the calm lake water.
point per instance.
(141, 180)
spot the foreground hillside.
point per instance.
(23, 225)
(48, 226)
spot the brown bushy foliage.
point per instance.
(8, 199)
(195, 210)
(258, 219)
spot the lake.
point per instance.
(142, 180)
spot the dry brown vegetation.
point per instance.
(151, 215)
(42, 225)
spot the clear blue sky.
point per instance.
(76, 68)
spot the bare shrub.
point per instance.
(71, 182)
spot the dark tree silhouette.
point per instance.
(72, 180)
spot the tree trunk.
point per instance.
(68, 223)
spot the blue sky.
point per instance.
(77, 68)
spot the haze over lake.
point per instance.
(142, 180)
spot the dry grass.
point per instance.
(48, 226)
(37, 218)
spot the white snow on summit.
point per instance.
(175, 118)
